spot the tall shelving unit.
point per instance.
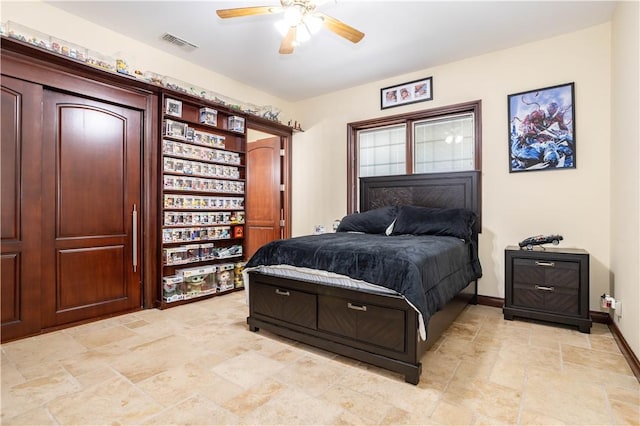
(202, 215)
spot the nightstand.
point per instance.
(548, 284)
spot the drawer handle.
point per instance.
(541, 287)
(282, 292)
(539, 263)
(356, 307)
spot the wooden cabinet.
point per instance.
(74, 215)
(548, 285)
(203, 206)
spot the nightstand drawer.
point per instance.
(546, 298)
(551, 273)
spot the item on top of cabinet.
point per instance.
(98, 60)
(29, 35)
(537, 240)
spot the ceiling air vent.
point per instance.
(177, 41)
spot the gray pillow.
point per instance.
(453, 222)
(370, 222)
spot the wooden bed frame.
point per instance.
(377, 329)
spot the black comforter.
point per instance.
(427, 270)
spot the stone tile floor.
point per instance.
(198, 364)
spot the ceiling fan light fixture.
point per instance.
(302, 34)
(282, 27)
(313, 23)
(293, 15)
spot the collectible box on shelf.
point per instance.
(193, 253)
(198, 281)
(179, 218)
(175, 129)
(236, 123)
(173, 201)
(238, 278)
(183, 235)
(186, 150)
(173, 107)
(208, 116)
(202, 184)
(173, 288)
(175, 255)
(227, 252)
(225, 277)
(188, 167)
(208, 139)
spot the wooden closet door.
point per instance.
(21, 207)
(91, 189)
(263, 200)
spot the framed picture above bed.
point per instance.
(542, 129)
(406, 93)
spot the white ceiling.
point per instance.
(401, 36)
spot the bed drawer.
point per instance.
(281, 303)
(381, 326)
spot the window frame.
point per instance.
(474, 107)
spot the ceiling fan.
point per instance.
(300, 21)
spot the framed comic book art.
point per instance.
(406, 93)
(542, 129)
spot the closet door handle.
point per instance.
(135, 238)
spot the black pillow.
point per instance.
(452, 222)
(370, 222)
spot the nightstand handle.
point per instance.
(282, 292)
(539, 263)
(356, 307)
(541, 287)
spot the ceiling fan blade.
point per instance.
(340, 28)
(247, 11)
(286, 47)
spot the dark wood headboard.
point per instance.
(442, 190)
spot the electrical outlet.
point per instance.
(618, 309)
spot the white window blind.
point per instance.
(382, 151)
(444, 144)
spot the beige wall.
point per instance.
(570, 202)
(625, 175)
(590, 205)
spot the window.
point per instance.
(443, 144)
(382, 151)
(443, 139)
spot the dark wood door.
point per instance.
(21, 207)
(91, 197)
(263, 201)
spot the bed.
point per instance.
(384, 288)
